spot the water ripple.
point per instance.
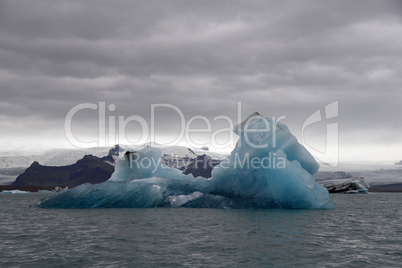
(365, 230)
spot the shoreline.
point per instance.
(24, 188)
(390, 188)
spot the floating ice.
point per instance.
(354, 186)
(267, 169)
(14, 192)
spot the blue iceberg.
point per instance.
(267, 169)
(14, 192)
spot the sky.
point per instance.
(144, 61)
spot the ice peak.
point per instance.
(244, 122)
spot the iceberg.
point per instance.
(353, 186)
(14, 192)
(267, 169)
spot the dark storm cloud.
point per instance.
(278, 57)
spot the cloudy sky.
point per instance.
(280, 58)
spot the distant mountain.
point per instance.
(63, 157)
(57, 157)
(93, 169)
(113, 154)
(90, 169)
(180, 151)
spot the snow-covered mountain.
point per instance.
(63, 164)
(13, 165)
(56, 157)
(179, 151)
(63, 157)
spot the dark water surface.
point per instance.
(365, 230)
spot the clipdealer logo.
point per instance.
(330, 153)
(115, 131)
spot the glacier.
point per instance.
(268, 168)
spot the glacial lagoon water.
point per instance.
(364, 231)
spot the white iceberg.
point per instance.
(267, 169)
(14, 192)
